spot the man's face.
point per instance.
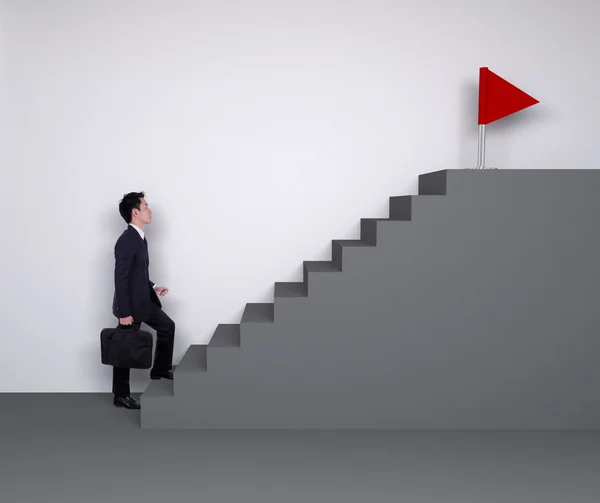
(144, 214)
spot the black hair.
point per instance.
(128, 203)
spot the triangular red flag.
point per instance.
(499, 98)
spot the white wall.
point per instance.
(259, 130)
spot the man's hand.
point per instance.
(126, 321)
(161, 290)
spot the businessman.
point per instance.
(136, 298)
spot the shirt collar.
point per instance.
(140, 231)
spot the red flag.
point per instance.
(499, 98)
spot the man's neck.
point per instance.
(138, 225)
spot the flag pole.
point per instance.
(481, 148)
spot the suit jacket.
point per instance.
(134, 292)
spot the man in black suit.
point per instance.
(136, 297)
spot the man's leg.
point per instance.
(121, 391)
(165, 338)
(121, 388)
(121, 382)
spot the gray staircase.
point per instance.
(476, 304)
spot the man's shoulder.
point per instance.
(126, 237)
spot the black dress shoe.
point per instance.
(126, 401)
(161, 375)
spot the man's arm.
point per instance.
(123, 261)
(160, 290)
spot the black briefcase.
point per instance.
(126, 347)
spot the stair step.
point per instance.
(338, 245)
(435, 183)
(194, 359)
(368, 229)
(318, 266)
(159, 388)
(400, 207)
(226, 335)
(259, 313)
(291, 290)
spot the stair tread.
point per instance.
(159, 387)
(258, 312)
(320, 266)
(383, 219)
(290, 290)
(352, 242)
(194, 359)
(226, 335)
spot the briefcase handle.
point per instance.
(126, 327)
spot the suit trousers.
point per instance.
(163, 356)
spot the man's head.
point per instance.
(135, 210)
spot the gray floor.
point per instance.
(78, 448)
